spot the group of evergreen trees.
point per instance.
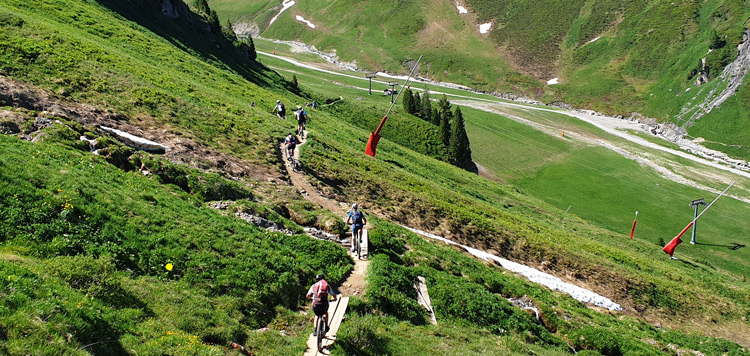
(451, 124)
(247, 46)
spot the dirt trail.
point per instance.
(355, 284)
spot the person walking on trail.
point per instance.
(301, 116)
(290, 142)
(280, 109)
(357, 219)
(319, 293)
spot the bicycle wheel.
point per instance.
(321, 331)
(359, 247)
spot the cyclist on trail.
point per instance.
(280, 109)
(301, 116)
(319, 293)
(357, 219)
(290, 142)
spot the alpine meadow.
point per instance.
(526, 190)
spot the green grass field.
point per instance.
(86, 238)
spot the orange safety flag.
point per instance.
(669, 248)
(372, 143)
(635, 221)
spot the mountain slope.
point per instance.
(86, 239)
(614, 56)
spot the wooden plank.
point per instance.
(423, 298)
(336, 312)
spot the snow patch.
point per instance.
(284, 6)
(302, 19)
(553, 81)
(485, 27)
(461, 9)
(536, 276)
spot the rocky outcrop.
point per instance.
(733, 75)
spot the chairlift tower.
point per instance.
(370, 76)
(393, 89)
(696, 204)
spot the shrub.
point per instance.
(599, 339)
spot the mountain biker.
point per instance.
(357, 219)
(319, 293)
(301, 116)
(291, 143)
(280, 109)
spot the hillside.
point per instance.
(611, 56)
(109, 250)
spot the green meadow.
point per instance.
(85, 239)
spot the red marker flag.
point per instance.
(372, 143)
(635, 221)
(669, 248)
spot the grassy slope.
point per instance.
(641, 62)
(406, 184)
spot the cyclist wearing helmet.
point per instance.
(357, 219)
(319, 293)
(280, 109)
(301, 116)
(291, 143)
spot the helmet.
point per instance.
(319, 277)
(278, 101)
(355, 206)
(299, 106)
(290, 133)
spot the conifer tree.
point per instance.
(436, 116)
(446, 116)
(202, 6)
(445, 127)
(251, 53)
(426, 107)
(213, 21)
(416, 105)
(295, 84)
(459, 144)
(408, 101)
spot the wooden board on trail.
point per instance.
(423, 298)
(336, 312)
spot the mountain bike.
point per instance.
(356, 240)
(322, 329)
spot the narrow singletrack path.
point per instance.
(355, 284)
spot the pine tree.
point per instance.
(251, 53)
(295, 84)
(446, 116)
(202, 6)
(408, 101)
(426, 107)
(445, 127)
(435, 116)
(416, 105)
(213, 21)
(459, 145)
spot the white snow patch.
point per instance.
(284, 6)
(594, 40)
(553, 81)
(536, 276)
(485, 27)
(302, 19)
(461, 9)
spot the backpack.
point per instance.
(357, 215)
(322, 292)
(281, 107)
